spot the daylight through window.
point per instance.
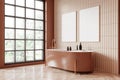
(24, 31)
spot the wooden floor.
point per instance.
(40, 72)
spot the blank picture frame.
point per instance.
(89, 24)
(69, 27)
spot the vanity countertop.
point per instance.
(63, 50)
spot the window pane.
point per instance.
(9, 33)
(20, 12)
(38, 34)
(29, 13)
(20, 2)
(39, 5)
(30, 3)
(38, 44)
(29, 45)
(30, 34)
(9, 44)
(19, 34)
(9, 10)
(29, 24)
(20, 23)
(39, 14)
(29, 55)
(38, 55)
(39, 25)
(9, 22)
(19, 44)
(20, 56)
(9, 1)
(9, 57)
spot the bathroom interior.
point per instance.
(54, 38)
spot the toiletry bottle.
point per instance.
(77, 47)
(67, 48)
(70, 48)
(80, 46)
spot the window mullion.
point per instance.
(25, 33)
(34, 30)
(15, 33)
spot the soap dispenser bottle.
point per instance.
(68, 48)
(77, 47)
(80, 46)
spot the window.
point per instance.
(24, 31)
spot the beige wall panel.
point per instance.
(106, 50)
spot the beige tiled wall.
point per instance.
(106, 50)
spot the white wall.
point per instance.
(106, 51)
